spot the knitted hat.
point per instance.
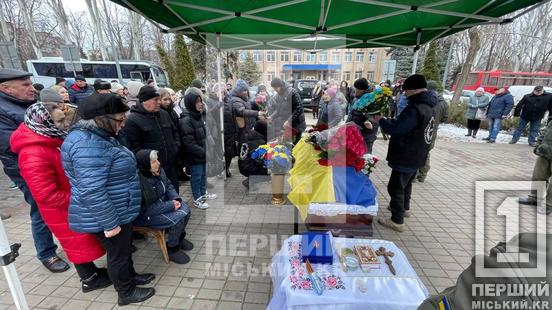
(197, 83)
(59, 80)
(80, 78)
(361, 84)
(432, 85)
(101, 104)
(115, 87)
(50, 95)
(331, 92)
(277, 82)
(146, 93)
(134, 88)
(415, 81)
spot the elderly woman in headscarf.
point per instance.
(37, 141)
(477, 105)
(330, 113)
(105, 190)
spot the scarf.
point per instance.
(39, 120)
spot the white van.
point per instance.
(518, 91)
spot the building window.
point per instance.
(335, 57)
(323, 57)
(270, 76)
(334, 76)
(257, 56)
(372, 57)
(270, 56)
(358, 74)
(370, 75)
(284, 56)
(298, 56)
(348, 57)
(243, 55)
(311, 57)
(360, 56)
(347, 75)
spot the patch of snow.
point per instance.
(451, 132)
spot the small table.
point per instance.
(378, 289)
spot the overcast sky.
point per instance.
(74, 5)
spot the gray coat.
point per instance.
(476, 102)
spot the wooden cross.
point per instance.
(387, 256)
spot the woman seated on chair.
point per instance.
(162, 208)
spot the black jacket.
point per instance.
(152, 130)
(532, 107)
(288, 106)
(193, 135)
(412, 132)
(231, 130)
(12, 114)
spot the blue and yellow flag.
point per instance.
(313, 183)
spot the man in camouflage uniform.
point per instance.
(543, 167)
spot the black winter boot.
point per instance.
(97, 281)
(474, 135)
(178, 256)
(469, 133)
(136, 295)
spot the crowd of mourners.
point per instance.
(94, 161)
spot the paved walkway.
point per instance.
(235, 238)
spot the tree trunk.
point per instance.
(475, 43)
(28, 22)
(61, 16)
(94, 16)
(136, 34)
(5, 33)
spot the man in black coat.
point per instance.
(368, 129)
(16, 95)
(150, 127)
(531, 109)
(411, 136)
(288, 111)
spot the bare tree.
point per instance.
(63, 21)
(96, 22)
(28, 23)
(3, 24)
(475, 43)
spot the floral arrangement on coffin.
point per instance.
(370, 162)
(376, 102)
(342, 145)
(275, 157)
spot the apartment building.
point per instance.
(337, 64)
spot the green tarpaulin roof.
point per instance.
(321, 24)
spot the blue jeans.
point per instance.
(199, 180)
(42, 236)
(495, 124)
(533, 130)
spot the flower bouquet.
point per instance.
(376, 102)
(340, 146)
(370, 162)
(277, 159)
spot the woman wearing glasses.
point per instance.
(105, 190)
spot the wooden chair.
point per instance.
(159, 235)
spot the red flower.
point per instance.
(359, 164)
(323, 162)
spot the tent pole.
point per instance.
(221, 103)
(11, 274)
(416, 50)
(447, 66)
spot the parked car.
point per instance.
(518, 91)
(304, 88)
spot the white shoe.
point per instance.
(200, 204)
(208, 196)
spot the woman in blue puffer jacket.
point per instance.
(105, 189)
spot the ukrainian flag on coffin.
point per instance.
(311, 182)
